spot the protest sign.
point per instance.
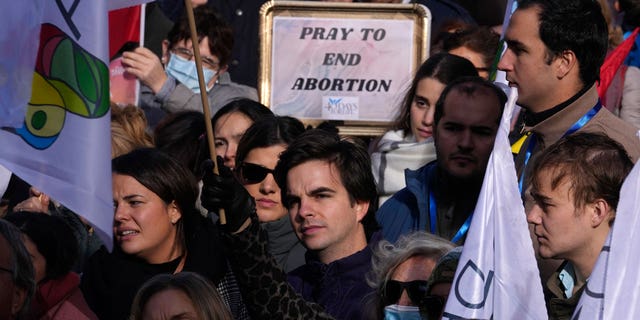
(348, 62)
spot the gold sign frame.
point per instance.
(418, 15)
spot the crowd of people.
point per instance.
(324, 226)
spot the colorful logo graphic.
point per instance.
(67, 78)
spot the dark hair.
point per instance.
(631, 9)
(208, 24)
(469, 86)
(266, 133)
(350, 158)
(165, 177)
(206, 300)
(252, 109)
(182, 135)
(593, 163)
(22, 269)
(482, 40)
(576, 25)
(53, 238)
(442, 66)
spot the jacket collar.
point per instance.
(553, 128)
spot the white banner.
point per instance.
(20, 25)
(63, 146)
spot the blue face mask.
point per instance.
(185, 71)
(398, 312)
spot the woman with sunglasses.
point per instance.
(258, 153)
(400, 272)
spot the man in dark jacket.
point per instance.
(329, 189)
(440, 197)
(575, 186)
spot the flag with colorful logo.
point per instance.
(61, 141)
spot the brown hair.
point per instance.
(205, 298)
(593, 163)
(128, 130)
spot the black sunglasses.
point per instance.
(431, 306)
(250, 173)
(392, 291)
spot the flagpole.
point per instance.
(203, 95)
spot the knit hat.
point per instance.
(445, 269)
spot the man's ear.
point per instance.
(566, 62)
(165, 51)
(223, 69)
(601, 212)
(362, 207)
(18, 299)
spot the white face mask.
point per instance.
(398, 312)
(186, 73)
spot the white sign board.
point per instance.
(357, 69)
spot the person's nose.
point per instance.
(427, 119)
(506, 61)
(465, 140)
(534, 215)
(268, 185)
(120, 214)
(306, 209)
(404, 299)
(230, 155)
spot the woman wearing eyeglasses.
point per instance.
(400, 272)
(257, 155)
(171, 84)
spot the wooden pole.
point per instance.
(203, 94)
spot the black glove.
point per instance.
(225, 191)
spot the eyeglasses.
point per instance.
(432, 306)
(186, 54)
(250, 173)
(392, 291)
(6, 270)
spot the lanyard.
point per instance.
(575, 127)
(433, 220)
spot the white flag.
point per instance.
(63, 145)
(613, 289)
(20, 25)
(497, 276)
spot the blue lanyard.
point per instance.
(433, 220)
(575, 127)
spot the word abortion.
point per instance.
(358, 85)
